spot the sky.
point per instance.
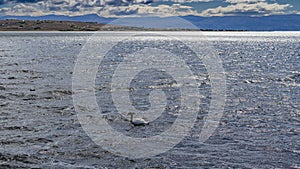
(162, 8)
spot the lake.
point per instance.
(259, 127)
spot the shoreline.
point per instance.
(70, 26)
(12, 25)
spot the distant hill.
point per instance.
(46, 25)
(53, 25)
(264, 23)
(83, 18)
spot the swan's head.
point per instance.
(131, 115)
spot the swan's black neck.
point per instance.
(131, 118)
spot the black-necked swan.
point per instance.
(137, 121)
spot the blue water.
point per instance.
(259, 129)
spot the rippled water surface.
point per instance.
(260, 127)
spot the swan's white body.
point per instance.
(137, 121)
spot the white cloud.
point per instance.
(244, 1)
(21, 9)
(187, 1)
(141, 10)
(72, 8)
(258, 8)
(120, 8)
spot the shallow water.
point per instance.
(259, 127)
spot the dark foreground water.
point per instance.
(260, 127)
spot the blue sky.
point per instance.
(163, 8)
